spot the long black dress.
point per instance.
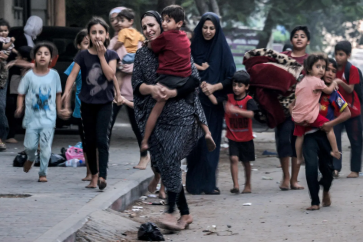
(177, 130)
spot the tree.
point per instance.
(164, 3)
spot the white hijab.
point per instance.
(32, 29)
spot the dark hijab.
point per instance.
(215, 51)
(156, 15)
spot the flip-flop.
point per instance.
(234, 190)
(284, 188)
(90, 187)
(215, 192)
(297, 188)
(102, 185)
(310, 208)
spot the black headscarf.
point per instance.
(215, 51)
(156, 15)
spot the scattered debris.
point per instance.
(267, 178)
(143, 198)
(149, 232)
(247, 204)
(137, 207)
(255, 169)
(152, 196)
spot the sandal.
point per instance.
(42, 179)
(234, 190)
(2, 146)
(102, 184)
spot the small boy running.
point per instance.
(128, 36)
(173, 48)
(239, 113)
(41, 88)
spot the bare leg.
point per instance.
(285, 173)
(247, 167)
(208, 138)
(150, 124)
(234, 173)
(93, 182)
(144, 160)
(162, 194)
(88, 175)
(298, 146)
(333, 143)
(154, 182)
(295, 168)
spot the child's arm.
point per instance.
(330, 89)
(58, 100)
(19, 106)
(20, 63)
(66, 98)
(203, 67)
(349, 88)
(118, 45)
(118, 97)
(234, 110)
(8, 45)
(108, 69)
(213, 99)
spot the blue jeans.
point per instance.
(43, 137)
(353, 126)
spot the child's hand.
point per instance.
(205, 66)
(18, 112)
(64, 113)
(119, 100)
(336, 83)
(101, 49)
(230, 109)
(12, 39)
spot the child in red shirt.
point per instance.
(173, 48)
(239, 113)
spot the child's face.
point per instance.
(170, 24)
(318, 69)
(299, 40)
(43, 57)
(239, 88)
(341, 57)
(124, 22)
(330, 74)
(4, 31)
(84, 44)
(97, 33)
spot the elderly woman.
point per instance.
(177, 130)
(124, 78)
(216, 67)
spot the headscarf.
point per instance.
(32, 29)
(116, 10)
(215, 51)
(156, 15)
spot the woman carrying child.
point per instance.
(305, 111)
(98, 68)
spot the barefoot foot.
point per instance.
(210, 142)
(185, 220)
(42, 179)
(168, 221)
(247, 189)
(353, 175)
(285, 185)
(336, 154)
(326, 199)
(296, 186)
(162, 194)
(87, 178)
(314, 207)
(93, 182)
(144, 160)
(153, 184)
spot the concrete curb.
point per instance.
(116, 197)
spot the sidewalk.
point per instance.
(46, 215)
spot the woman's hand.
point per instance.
(207, 88)
(3, 56)
(167, 93)
(101, 49)
(119, 100)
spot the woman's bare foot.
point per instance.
(326, 199)
(336, 154)
(168, 221)
(153, 184)
(185, 220)
(353, 175)
(285, 185)
(93, 183)
(210, 142)
(336, 174)
(11, 141)
(247, 189)
(102, 183)
(87, 178)
(144, 160)
(296, 186)
(27, 166)
(162, 194)
(144, 146)
(42, 179)
(313, 207)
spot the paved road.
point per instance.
(25, 219)
(274, 215)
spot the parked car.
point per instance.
(63, 38)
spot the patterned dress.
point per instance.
(177, 130)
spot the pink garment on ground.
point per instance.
(126, 88)
(307, 93)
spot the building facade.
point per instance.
(16, 12)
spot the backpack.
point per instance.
(357, 87)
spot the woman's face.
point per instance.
(330, 74)
(150, 28)
(114, 22)
(209, 30)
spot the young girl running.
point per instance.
(81, 42)
(305, 111)
(41, 88)
(98, 68)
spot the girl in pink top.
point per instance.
(306, 107)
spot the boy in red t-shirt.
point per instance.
(353, 126)
(239, 113)
(173, 48)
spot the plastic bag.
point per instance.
(54, 160)
(74, 153)
(149, 232)
(20, 159)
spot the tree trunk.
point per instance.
(202, 6)
(264, 36)
(215, 7)
(164, 3)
